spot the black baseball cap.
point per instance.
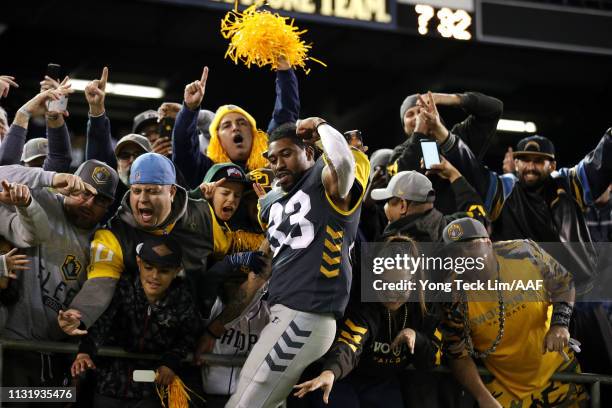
(464, 229)
(535, 145)
(100, 175)
(144, 118)
(229, 171)
(160, 250)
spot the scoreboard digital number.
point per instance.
(436, 21)
(447, 22)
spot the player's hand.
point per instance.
(95, 93)
(205, 345)
(325, 381)
(407, 337)
(69, 183)
(307, 129)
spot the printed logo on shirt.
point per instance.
(71, 268)
(239, 340)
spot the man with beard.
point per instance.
(517, 336)
(311, 224)
(56, 230)
(541, 203)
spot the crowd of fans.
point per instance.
(200, 233)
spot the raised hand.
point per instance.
(168, 110)
(208, 189)
(508, 163)
(259, 190)
(69, 183)
(5, 85)
(15, 194)
(445, 170)
(432, 116)
(37, 106)
(95, 93)
(307, 129)
(194, 92)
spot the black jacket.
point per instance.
(364, 339)
(554, 214)
(170, 328)
(476, 130)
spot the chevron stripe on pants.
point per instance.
(287, 345)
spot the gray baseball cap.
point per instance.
(143, 119)
(34, 148)
(464, 229)
(409, 185)
(139, 140)
(380, 158)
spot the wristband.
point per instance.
(562, 314)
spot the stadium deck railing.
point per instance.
(595, 380)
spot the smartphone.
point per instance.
(430, 153)
(54, 71)
(165, 127)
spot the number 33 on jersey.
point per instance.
(310, 238)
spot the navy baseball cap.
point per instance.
(535, 145)
(152, 168)
(160, 250)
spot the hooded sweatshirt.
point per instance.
(58, 252)
(192, 223)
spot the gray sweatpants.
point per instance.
(287, 345)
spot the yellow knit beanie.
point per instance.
(260, 140)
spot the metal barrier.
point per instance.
(595, 380)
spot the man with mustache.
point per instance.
(311, 223)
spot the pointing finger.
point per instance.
(104, 78)
(204, 77)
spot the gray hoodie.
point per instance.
(59, 254)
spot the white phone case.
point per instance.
(143, 376)
(58, 106)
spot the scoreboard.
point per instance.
(520, 23)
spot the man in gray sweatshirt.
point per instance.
(56, 229)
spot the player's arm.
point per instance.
(345, 169)
(103, 274)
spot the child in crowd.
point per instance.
(151, 313)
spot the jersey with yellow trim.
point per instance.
(196, 229)
(310, 240)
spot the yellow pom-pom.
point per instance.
(261, 38)
(177, 394)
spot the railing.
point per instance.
(595, 380)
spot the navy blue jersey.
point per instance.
(310, 239)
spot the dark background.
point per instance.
(567, 94)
